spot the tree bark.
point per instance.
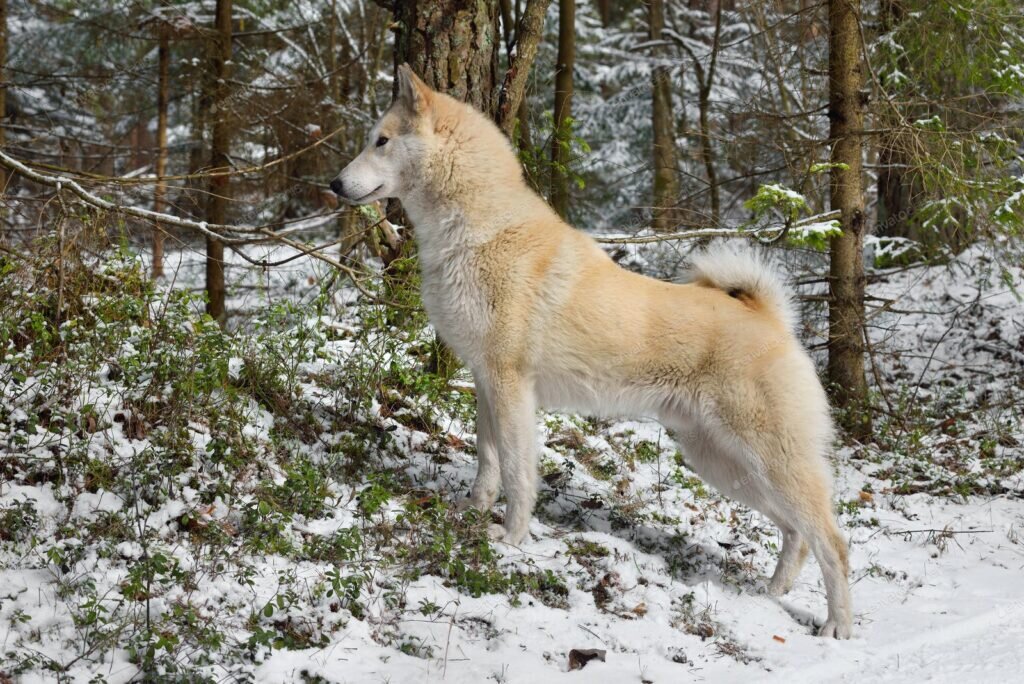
(895, 185)
(217, 204)
(563, 106)
(527, 39)
(846, 304)
(666, 174)
(897, 190)
(453, 46)
(160, 191)
(3, 92)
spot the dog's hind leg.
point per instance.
(484, 492)
(779, 474)
(794, 553)
(829, 548)
(799, 499)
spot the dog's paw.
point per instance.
(779, 588)
(499, 533)
(472, 503)
(836, 630)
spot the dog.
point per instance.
(544, 318)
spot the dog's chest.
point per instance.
(454, 296)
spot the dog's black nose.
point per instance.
(336, 186)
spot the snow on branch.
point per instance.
(704, 233)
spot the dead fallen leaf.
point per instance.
(640, 609)
(579, 657)
(455, 442)
(866, 497)
(781, 640)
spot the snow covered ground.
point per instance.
(645, 562)
(928, 609)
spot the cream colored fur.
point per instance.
(544, 318)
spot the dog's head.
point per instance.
(399, 147)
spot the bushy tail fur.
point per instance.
(741, 271)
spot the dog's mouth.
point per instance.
(360, 200)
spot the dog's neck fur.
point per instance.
(465, 196)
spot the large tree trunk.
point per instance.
(563, 105)
(160, 191)
(846, 308)
(217, 204)
(453, 46)
(666, 175)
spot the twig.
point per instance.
(448, 641)
(703, 233)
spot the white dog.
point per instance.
(543, 317)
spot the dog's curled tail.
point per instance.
(741, 272)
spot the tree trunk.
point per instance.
(453, 46)
(197, 156)
(563, 106)
(846, 305)
(895, 191)
(527, 38)
(217, 204)
(707, 149)
(160, 191)
(666, 175)
(3, 92)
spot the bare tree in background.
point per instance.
(846, 276)
(666, 175)
(162, 98)
(898, 186)
(220, 162)
(3, 89)
(705, 75)
(563, 105)
(521, 49)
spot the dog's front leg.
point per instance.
(512, 403)
(484, 492)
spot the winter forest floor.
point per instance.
(273, 505)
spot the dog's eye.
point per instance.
(382, 141)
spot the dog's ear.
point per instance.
(412, 91)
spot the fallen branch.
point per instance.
(151, 180)
(232, 236)
(210, 230)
